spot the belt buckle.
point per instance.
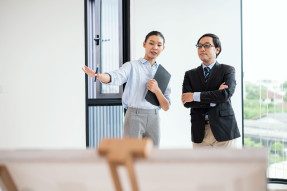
(206, 119)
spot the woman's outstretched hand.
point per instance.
(90, 72)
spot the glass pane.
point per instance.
(105, 122)
(104, 44)
(93, 36)
(265, 82)
(110, 42)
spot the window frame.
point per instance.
(104, 99)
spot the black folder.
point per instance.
(162, 76)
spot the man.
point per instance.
(207, 90)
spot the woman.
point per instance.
(142, 118)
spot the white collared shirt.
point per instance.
(136, 75)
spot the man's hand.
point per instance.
(153, 86)
(223, 86)
(187, 97)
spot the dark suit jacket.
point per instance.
(221, 117)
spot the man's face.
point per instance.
(206, 50)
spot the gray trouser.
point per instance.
(140, 123)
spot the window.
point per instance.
(265, 82)
(104, 44)
(106, 49)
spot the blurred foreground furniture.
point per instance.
(168, 170)
(6, 181)
(124, 152)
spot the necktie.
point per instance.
(206, 73)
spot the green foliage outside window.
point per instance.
(255, 104)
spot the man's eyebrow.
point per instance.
(205, 43)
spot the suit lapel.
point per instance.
(199, 72)
(214, 72)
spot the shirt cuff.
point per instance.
(196, 96)
(110, 78)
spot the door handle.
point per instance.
(97, 39)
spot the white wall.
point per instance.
(42, 87)
(42, 96)
(182, 22)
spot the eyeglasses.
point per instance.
(205, 46)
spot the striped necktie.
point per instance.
(206, 73)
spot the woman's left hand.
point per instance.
(153, 86)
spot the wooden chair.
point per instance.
(124, 152)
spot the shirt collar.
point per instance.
(209, 66)
(144, 61)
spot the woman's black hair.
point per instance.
(156, 33)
